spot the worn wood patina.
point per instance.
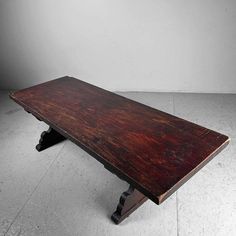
(153, 151)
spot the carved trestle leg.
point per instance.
(49, 138)
(129, 202)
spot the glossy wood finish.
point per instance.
(153, 151)
(130, 200)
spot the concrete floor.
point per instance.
(63, 191)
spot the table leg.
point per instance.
(49, 138)
(129, 202)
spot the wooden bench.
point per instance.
(153, 151)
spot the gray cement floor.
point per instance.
(63, 191)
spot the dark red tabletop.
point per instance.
(154, 151)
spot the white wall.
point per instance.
(150, 45)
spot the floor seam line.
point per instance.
(173, 101)
(35, 188)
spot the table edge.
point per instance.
(194, 171)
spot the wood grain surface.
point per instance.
(154, 151)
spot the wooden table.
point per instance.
(153, 151)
